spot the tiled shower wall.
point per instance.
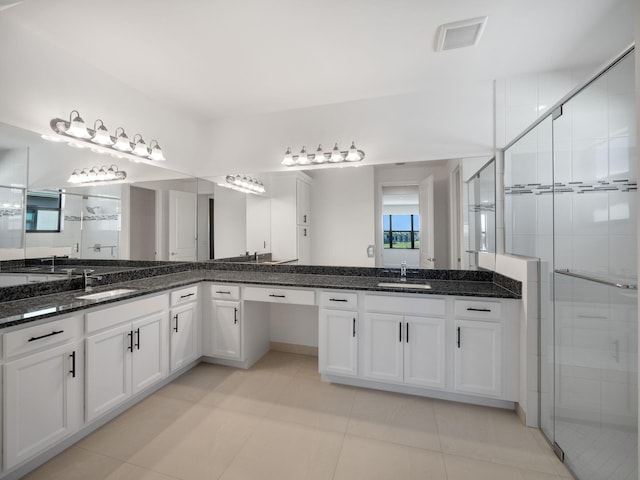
(570, 200)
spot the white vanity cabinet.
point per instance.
(126, 351)
(338, 333)
(185, 325)
(401, 346)
(478, 362)
(224, 339)
(42, 387)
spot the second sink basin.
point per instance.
(107, 294)
(424, 286)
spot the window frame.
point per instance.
(412, 233)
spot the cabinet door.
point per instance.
(424, 352)
(304, 244)
(183, 336)
(39, 402)
(108, 381)
(147, 358)
(338, 342)
(226, 330)
(383, 347)
(478, 362)
(303, 202)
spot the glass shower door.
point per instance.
(595, 279)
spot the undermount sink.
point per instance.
(107, 294)
(424, 286)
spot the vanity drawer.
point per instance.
(342, 300)
(184, 295)
(280, 295)
(478, 309)
(117, 313)
(225, 292)
(405, 305)
(33, 338)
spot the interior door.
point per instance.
(427, 257)
(182, 226)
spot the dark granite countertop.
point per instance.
(14, 312)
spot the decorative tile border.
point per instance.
(622, 185)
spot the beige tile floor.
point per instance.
(279, 421)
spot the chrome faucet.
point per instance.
(88, 279)
(53, 262)
(403, 270)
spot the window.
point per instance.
(401, 231)
(43, 212)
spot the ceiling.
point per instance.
(221, 58)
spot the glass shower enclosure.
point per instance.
(570, 200)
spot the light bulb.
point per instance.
(140, 149)
(101, 135)
(336, 155)
(353, 155)
(156, 152)
(122, 141)
(77, 127)
(288, 158)
(319, 155)
(303, 159)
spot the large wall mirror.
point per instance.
(322, 216)
(151, 215)
(341, 216)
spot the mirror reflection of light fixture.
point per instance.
(97, 175)
(76, 134)
(320, 157)
(243, 183)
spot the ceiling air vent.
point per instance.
(464, 33)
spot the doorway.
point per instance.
(407, 224)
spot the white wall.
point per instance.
(522, 99)
(294, 324)
(41, 82)
(258, 224)
(430, 125)
(229, 210)
(526, 271)
(142, 215)
(342, 216)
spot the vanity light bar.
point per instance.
(99, 140)
(320, 156)
(97, 175)
(243, 183)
